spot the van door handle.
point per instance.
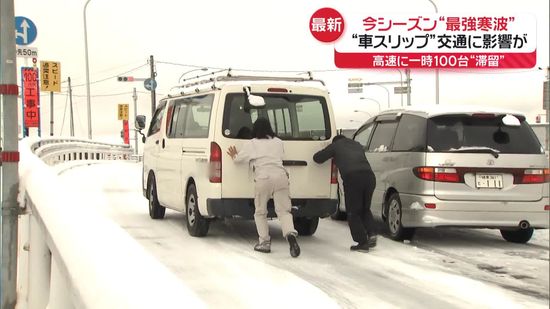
(294, 163)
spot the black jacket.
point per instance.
(349, 156)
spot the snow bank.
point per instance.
(106, 267)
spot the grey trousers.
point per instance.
(275, 186)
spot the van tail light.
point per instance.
(440, 174)
(215, 163)
(430, 205)
(277, 90)
(537, 175)
(547, 207)
(333, 172)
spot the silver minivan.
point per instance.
(456, 166)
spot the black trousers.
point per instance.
(358, 189)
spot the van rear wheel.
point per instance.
(306, 226)
(394, 224)
(156, 211)
(197, 225)
(517, 236)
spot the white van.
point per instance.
(186, 167)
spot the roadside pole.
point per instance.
(134, 96)
(153, 92)
(548, 109)
(408, 78)
(71, 122)
(51, 113)
(9, 155)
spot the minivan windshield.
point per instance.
(292, 116)
(486, 133)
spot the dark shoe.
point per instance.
(294, 248)
(364, 247)
(264, 247)
(372, 241)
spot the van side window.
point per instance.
(156, 120)
(192, 116)
(363, 135)
(169, 118)
(383, 136)
(411, 134)
(177, 123)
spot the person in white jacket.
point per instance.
(265, 153)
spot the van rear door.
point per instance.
(301, 117)
(478, 157)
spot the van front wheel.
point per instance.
(197, 225)
(306, 226)
(395, 227)
(156, 211)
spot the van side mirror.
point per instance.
(140, 122)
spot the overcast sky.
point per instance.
(254, 35)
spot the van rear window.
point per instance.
(292, 116)
(466, 133)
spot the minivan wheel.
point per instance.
(197, 225)
(156, 211)
(517, 236)
(306, 226)
(394, 224)
(338, 214)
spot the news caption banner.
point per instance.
(427, 41)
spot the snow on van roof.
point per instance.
(435, 110)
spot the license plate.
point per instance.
(491, 181)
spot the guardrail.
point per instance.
(57, 150)
(70, 256)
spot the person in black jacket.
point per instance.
(359, 182)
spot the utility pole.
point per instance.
(71, 121)
(547, 96)
(9, 156)
(134, 96)
(153, 92)
(89, 105)
(408, 77)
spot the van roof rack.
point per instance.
(210, 80)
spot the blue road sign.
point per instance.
(25, 31)
(150, 84)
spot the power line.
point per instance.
(249, 70)
(107, 78)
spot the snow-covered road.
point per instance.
(440, 268)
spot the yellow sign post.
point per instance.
(50, 76)
(123, 111)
